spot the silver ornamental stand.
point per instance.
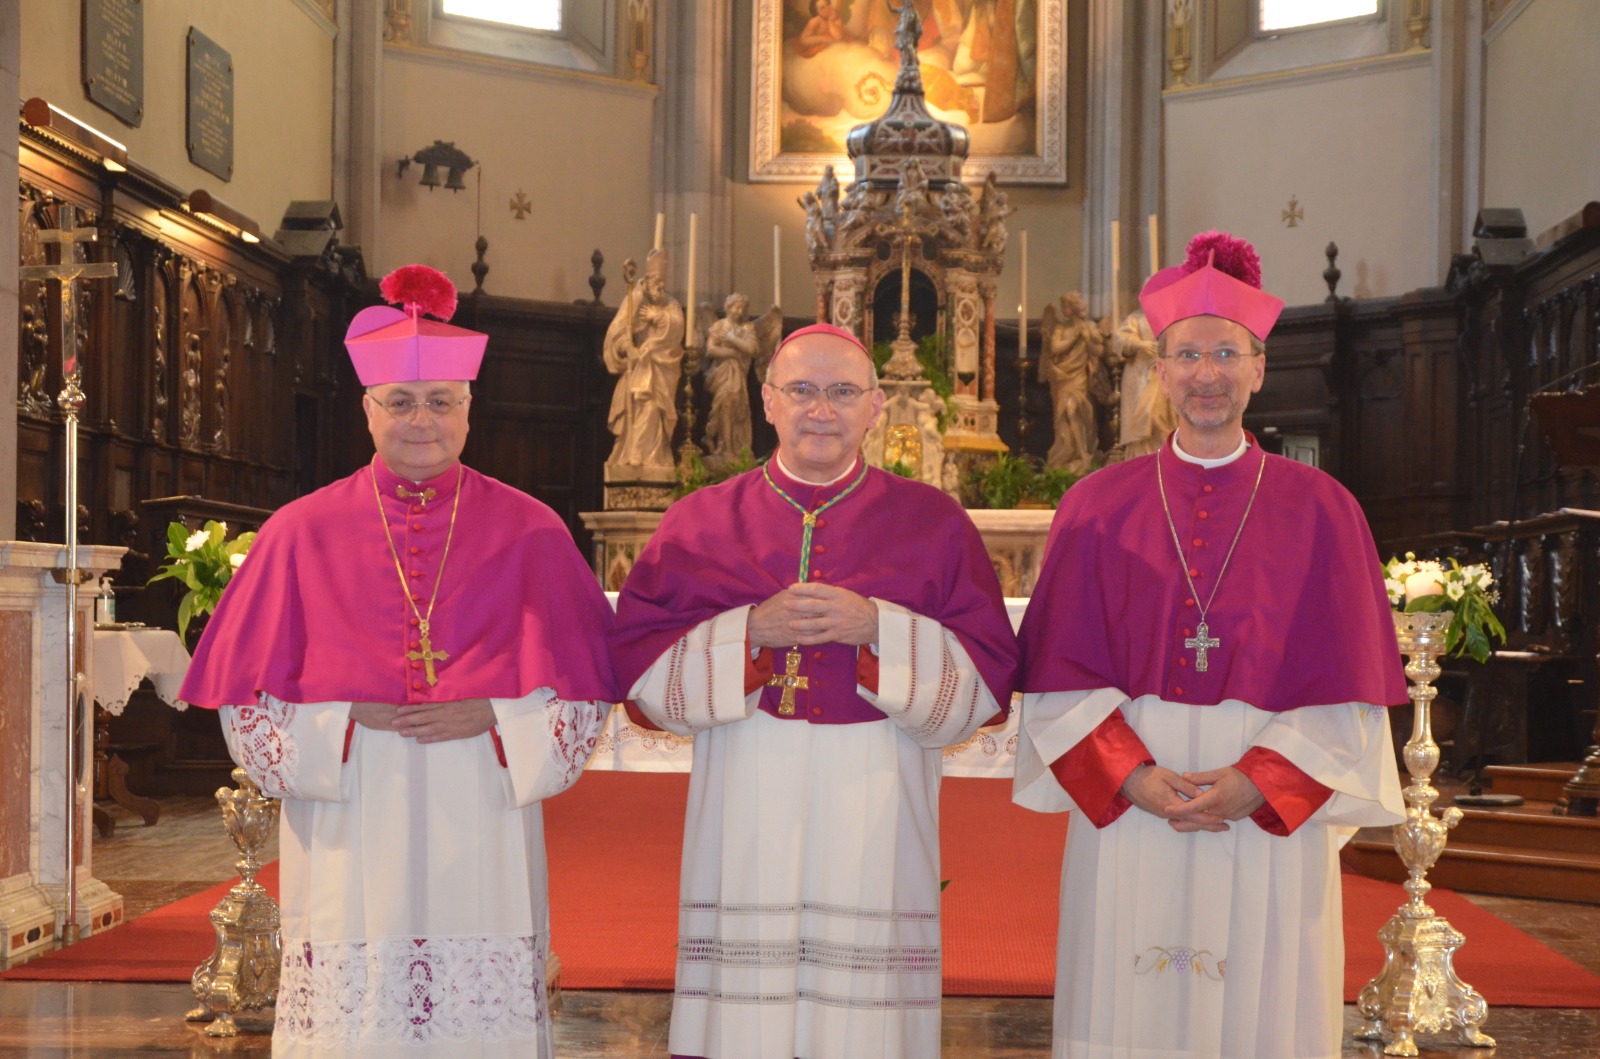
(67, 271)
(1418, 989)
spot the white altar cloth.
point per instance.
(125, 657)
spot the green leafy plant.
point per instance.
(1016, 481)
(205, 561)
(1468, 592)
(904, 470)
(695, 473)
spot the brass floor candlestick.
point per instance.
(1418, 990)
(241, 974)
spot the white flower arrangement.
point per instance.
(204, 561)
(1468, 592)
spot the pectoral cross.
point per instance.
(427, 655)
(789, 681)
(1200, 643)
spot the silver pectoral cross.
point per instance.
(1200, 643)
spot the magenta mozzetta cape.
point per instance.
(738, 543)
(317, 614)
(1302, 612)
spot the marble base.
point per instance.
(631, 487)
(976, 427)
(27, 919)
(619, 537)
(1015, 541)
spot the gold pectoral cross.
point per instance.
(789, 680)
(427, 655)
(1200, 643)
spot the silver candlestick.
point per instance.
(1418, 989)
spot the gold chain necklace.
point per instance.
(427, 656)
(1202, 640)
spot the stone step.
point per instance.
(1532, 826)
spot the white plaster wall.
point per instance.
(1354, 148)
(578, 148)
(282, 95)
(1541, 125)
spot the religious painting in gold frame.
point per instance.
(997, 67)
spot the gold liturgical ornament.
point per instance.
(789, 680)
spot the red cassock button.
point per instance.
(820, 548)
(1193, 572)
(416, 686)
(1188, 632)
(1206, 488)
(816, 711)
(1198, 543)
(1187, 603)
(814, 654)
(415, 623)
(1177, 690)
(417, 526)
(1183, 661)
(416, 573)
(1205, 514)
(416, 551)
(416, 645)
(416, 665)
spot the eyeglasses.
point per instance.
(1221, 359)
(806, 394)
(437, 407)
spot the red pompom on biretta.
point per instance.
(1226, 253)
(420, 290)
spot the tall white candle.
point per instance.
(1022, 308)
(661, 222)
(1155, 245)
(688, 309)
(777, 273)
(1116, 273)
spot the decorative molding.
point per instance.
(550, 75)
(1498, 14)
(1047, 165)
(321, 13)
(1304, 76)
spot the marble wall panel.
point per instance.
(16, 728)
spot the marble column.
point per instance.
(33, 733)
(10, 287)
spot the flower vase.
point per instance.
(1418, 990)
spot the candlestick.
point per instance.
(688, 309)
(777, 274)
(1116, 272)
(661, 223)
(1022, 307)
(1155, 245)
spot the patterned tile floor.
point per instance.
(118, 1021)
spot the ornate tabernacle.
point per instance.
(1418, 990)
(241, 974)
(910, 253)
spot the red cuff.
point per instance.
(1291, 795)
(757, 670)
(867, 668)
(349, 733)
(499, 747)
(1092, 772)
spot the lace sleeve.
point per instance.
(290, 750)
(547, 741)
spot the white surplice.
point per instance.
(809, 905)
(414, 901)
(1226, 945)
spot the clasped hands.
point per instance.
(1193, 801)
(812, 613)
(427, 722)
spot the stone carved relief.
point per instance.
(223, 316)
(158, 358)
(189, 390)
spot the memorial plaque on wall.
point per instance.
(210, 105)
(113, 57)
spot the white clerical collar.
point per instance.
(1220, 461)
(784, 467)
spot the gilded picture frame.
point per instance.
(997, 67)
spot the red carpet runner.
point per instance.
(613, 843)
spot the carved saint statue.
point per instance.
(816, 226)
(644, 348)
(1147, 415)
(992, 214)
(733, 344)
(1071, 354)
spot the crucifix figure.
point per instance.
(1200, 643)
(427, 655)
(789, 680)
(68, 270)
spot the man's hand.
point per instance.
(379, 716)
(1164, 793)
(440, 722)
(1229, 795)
(811, 613)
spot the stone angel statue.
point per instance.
(644, 349)
(1147, 415)
(1072, 351)
(733, 345)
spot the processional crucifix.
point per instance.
(67, 271)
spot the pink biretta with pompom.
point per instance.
(399, 345)
(1220, 276)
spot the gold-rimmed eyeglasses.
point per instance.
(437, 407)
(806, 394)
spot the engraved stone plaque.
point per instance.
(113, 57)
(210, 106)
